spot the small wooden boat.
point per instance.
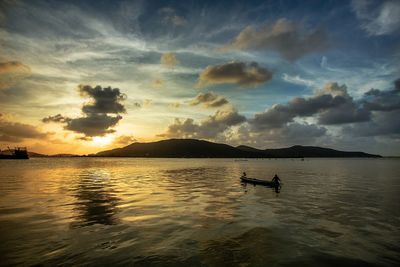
(258, 181)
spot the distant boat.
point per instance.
(16, 153)
(258, 181)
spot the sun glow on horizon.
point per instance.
(102, 141)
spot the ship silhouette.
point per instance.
(16, 153)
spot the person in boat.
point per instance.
(276, 179)
(244, 175)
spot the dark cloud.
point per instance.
(349, 112)
(210, 128)
(17, 132)
(56, 118)
(375, 114)
(377, 100)
(289, 134)
(385, 106)
(93, 125)
(97, 121)
(285, 37)
(209, 100)
(234, 72)
(333, 105)
(383, 124)
(275, 117)
(104, 100)
(297, 133)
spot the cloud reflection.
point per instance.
(96, 202)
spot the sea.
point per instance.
(196, 212)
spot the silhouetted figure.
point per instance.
(276, 179)
(244, 174)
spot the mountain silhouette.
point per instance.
(193, 148)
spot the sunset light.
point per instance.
(102, 141)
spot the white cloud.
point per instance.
(296, 79)
(378, 20)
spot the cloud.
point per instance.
(234, 72)
(297, 80)
(169, 59)
(385, 106)
(56, 118)
(375, 114)
(383, 123)
(209, 128)
(17, 132)
(96, 120)
(377, 100)
(11, 72)
(378, 17)
(332, 104)
(289, 134)
(209, 100)
(348, 112)
(13, 67)
(285, 37)
(104, 100)
(93, 124)
(170, 16)
(123, 140)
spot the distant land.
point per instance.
(193, 148)
(38, 155)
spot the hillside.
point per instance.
(178, 148)
(192, 148)
(312, 151)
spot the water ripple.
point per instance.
(191, 212)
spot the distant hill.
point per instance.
(192, 148)
(64, 156)
(313, 152)
(38, 155)
(178, 148)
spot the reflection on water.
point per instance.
(277, 189)
(96, 200)
(195, 212)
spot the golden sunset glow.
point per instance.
(102, 140)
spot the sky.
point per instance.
(84, 76)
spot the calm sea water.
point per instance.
(195, 212)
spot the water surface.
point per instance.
(195, 212)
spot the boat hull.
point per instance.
(258, 181)
(13, 157)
